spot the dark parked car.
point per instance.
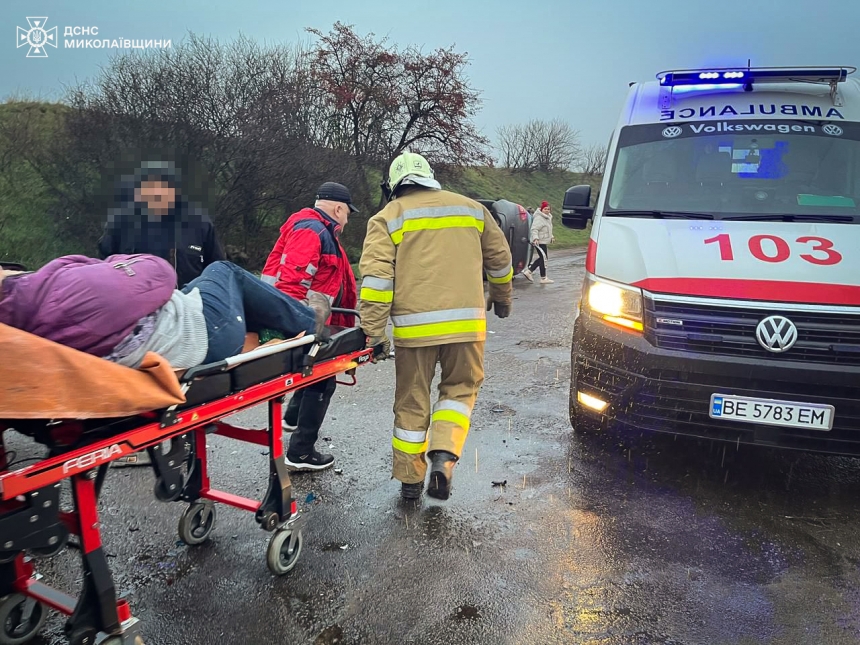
(515, 221)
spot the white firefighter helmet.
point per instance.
(411, 168)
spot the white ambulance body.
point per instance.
(722, 291)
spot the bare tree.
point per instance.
(382, 100)
(592, 161)
(511, 145)
(539, 145)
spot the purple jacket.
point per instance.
(85, 303)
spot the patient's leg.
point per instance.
(265, 307)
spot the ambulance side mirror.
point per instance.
(575, 210)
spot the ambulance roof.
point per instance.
(820, 94)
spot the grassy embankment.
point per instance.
(29, 231)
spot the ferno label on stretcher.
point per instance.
(40, 379)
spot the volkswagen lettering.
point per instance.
(722, 290)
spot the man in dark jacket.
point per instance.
(308, 259)
(154, 217)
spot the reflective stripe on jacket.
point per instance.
(423, 264)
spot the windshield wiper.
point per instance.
(660, 214)
(787, 217)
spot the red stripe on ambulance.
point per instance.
(766, 290)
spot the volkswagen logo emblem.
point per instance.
(832, 129)
(672, 131)
(776, 334)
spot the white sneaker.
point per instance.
(546, 281)
(286, 427)
(528, 275)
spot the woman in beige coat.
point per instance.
(541, 238)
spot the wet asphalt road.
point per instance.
(619, 539)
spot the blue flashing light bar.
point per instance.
(753, 75)
(704, 87)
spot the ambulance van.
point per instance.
(722, 289)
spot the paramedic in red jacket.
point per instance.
(308, 258)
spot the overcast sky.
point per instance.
(530, 58)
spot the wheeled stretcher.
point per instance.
(33, 525)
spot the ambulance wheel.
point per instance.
(279, 557)
(21, 618)
(196, 523)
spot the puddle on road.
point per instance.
(467, 612)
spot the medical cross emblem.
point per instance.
(37, 37)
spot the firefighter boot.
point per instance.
(441, 472)
(411, 491)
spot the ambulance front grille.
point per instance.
(823, 337)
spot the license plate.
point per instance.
(786, 414)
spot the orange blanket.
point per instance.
(40, 379)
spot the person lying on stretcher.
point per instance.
(124, 306)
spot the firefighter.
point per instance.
(308, 259)
(423, 264)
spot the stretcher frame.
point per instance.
(31, 495)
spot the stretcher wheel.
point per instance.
(279, 557)
(197, 522)
(270, 521)
(21, 618)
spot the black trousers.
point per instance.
(539, 261)
(307, 410)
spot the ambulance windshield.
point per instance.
(790, 170)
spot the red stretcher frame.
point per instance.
(82, 465)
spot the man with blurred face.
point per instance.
(155, 218)
(151, 216)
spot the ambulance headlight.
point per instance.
(615, 303)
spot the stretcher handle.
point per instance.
(238, 359)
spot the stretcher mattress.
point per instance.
(62, 383)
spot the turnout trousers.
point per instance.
(418, 428)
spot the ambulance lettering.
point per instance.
(751, 109)
(723, 126)
(91, 459)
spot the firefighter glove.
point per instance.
(502, 310)
(381, 348)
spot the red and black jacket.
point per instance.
(308, 258)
